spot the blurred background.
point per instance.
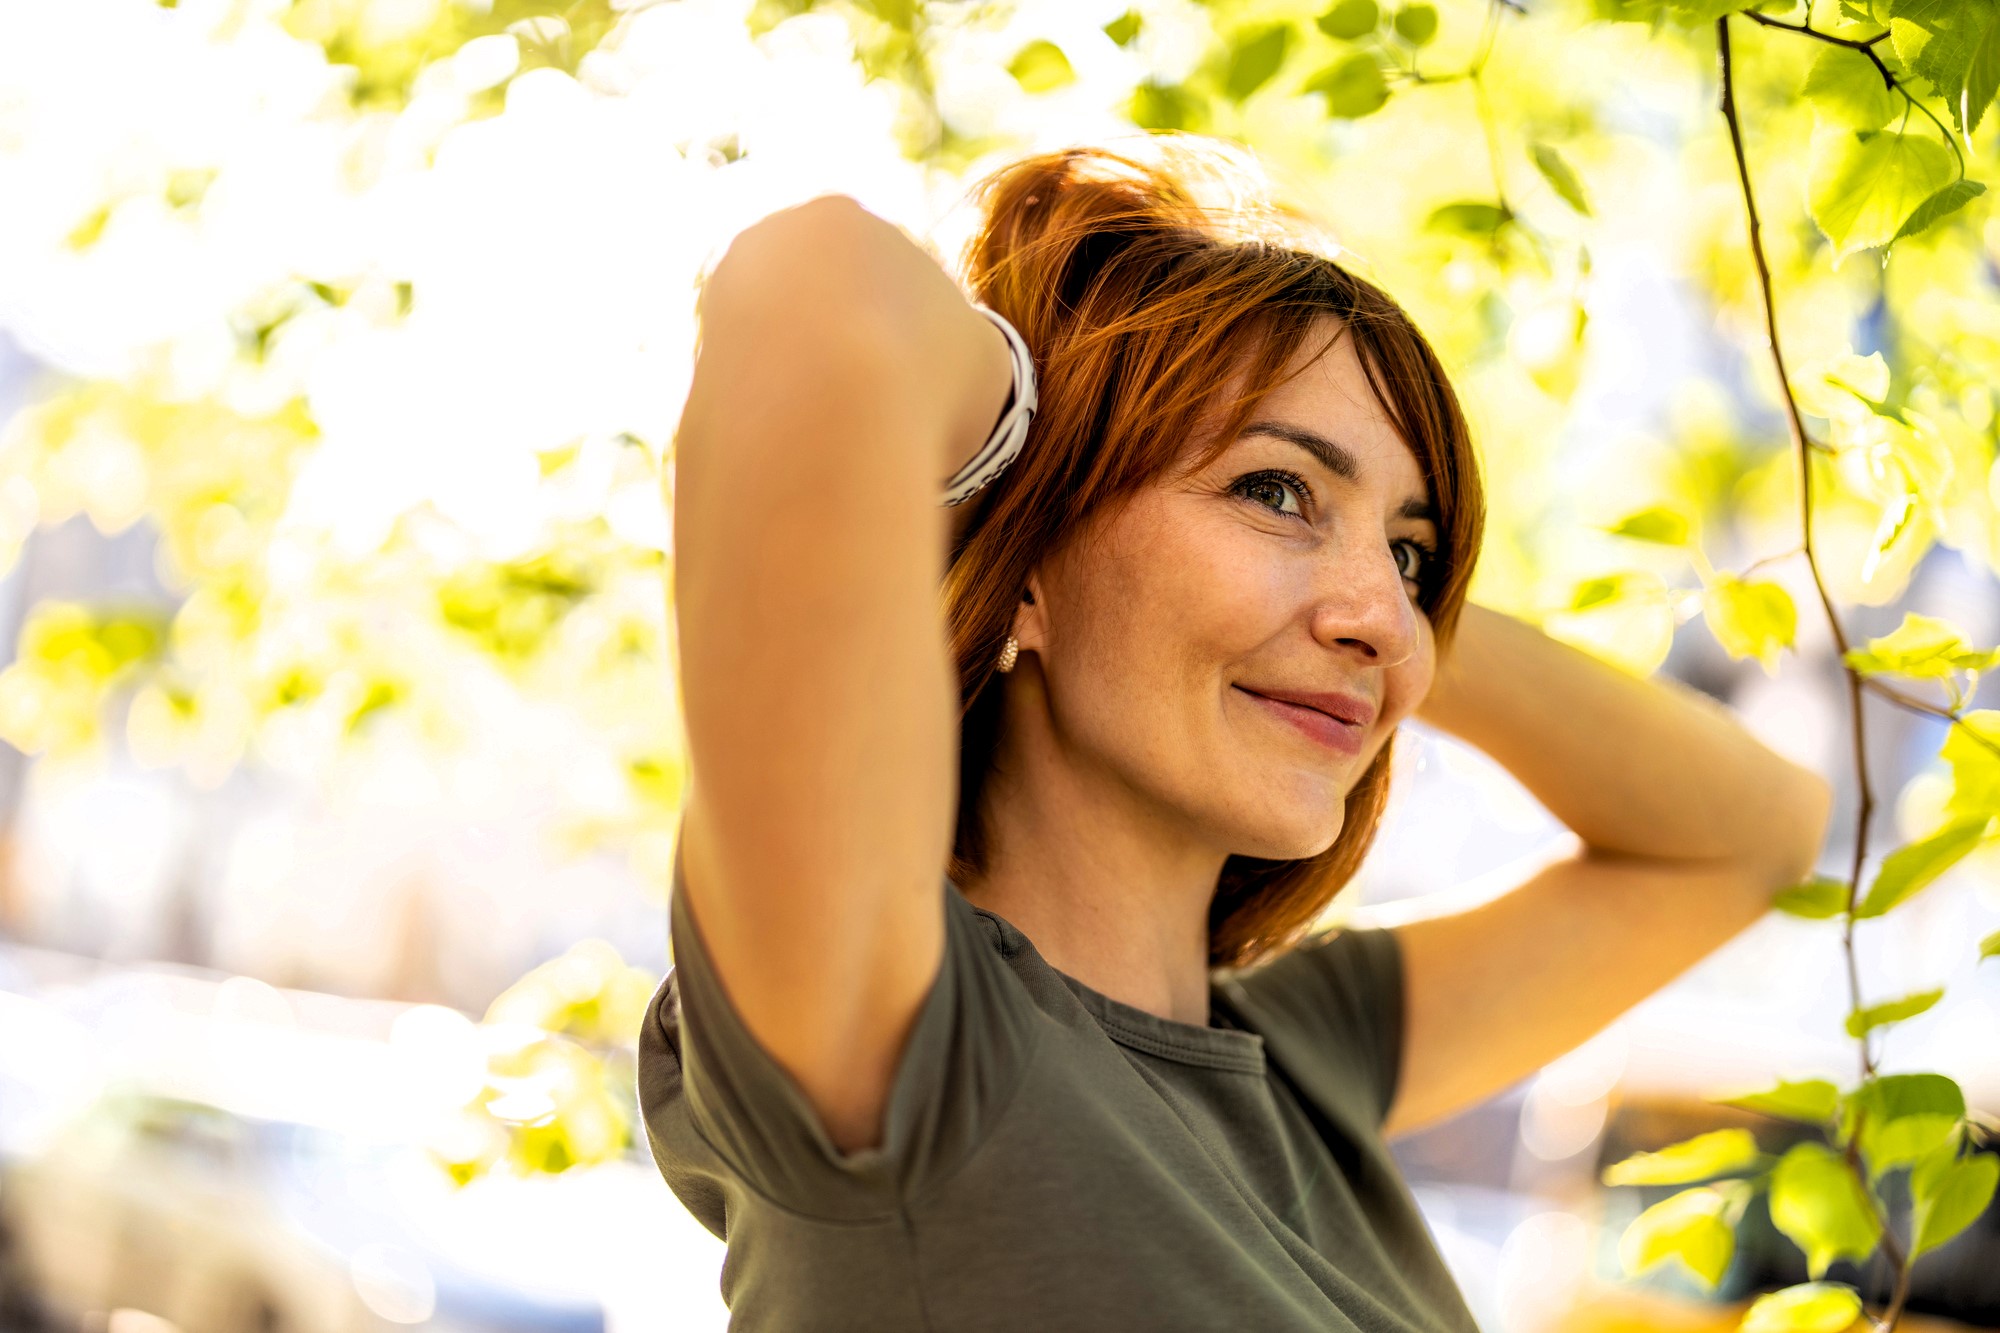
(341, 343)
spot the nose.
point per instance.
(1364, 604)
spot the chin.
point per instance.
(1307, 835)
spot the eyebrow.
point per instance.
(1335, 458)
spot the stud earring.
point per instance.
(1008, 653)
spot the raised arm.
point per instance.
(841, 377)
(1686, 828)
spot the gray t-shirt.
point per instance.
(1058, 1160)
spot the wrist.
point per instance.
(988, 396)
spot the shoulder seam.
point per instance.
(738, 1180)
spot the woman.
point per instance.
(1049, 1047)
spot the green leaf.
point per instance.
(1920, 457)
(1689, 1227)
(1818, 898)
(1124, 28)
(1818, 1203)
(1930, 13)
(1972, 748)
(1922, 647)
(1893, 1096)
(898, 14)
(1702, 1157)
(1669, 527)
(1950, 1192)
(1939, 40)
(1908, 870)
(1896, 516)
(1810, 1307)
(1416, 24)
(1040, 67)
(1354, 87)
(1891, 1011)
(1468, 218)
(1982, 74)
(1845, 88)
(1164, 106)
(1863, 378)
(1810, 1100)
(1990, 946)
(1590, 592)
(1902, 1117)
(1750, 618)
(1350, 19)
(1905, 1140)
(1940, 206)
(1560, 178)
(1254, 59)
(1908, 38)
(1862, 186)
(95, 644)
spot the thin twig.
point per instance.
(1867, 48)
(1763, 560)
(1492, 138)
(1952, 715)
(1473, 72)
(1489, 31)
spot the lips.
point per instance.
(1330, 729)
(1345, 707)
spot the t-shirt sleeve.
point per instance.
(1345, 993)
(959, 1067)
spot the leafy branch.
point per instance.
(1866, 46)
(1826, 1199)
(1474, 73)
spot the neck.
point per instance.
(1108, 885)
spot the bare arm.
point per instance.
(1686, 825)
(841, 376)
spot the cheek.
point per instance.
(1149, 619)
(1219, 583)
(1170, 607)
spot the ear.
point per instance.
(1031, 625)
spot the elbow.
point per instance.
(779, 235)
(804, 260)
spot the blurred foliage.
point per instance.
(383, 330)
(557, 1063)
(386, 46)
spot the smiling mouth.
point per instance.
(1334, 733)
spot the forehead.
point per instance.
(1330, 394)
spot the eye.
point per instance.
(1426, 557)
(1269, 488)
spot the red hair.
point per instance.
(1138, 299)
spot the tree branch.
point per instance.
(1801, 444)
(1866, 48)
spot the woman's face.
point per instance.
(1288, 567)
